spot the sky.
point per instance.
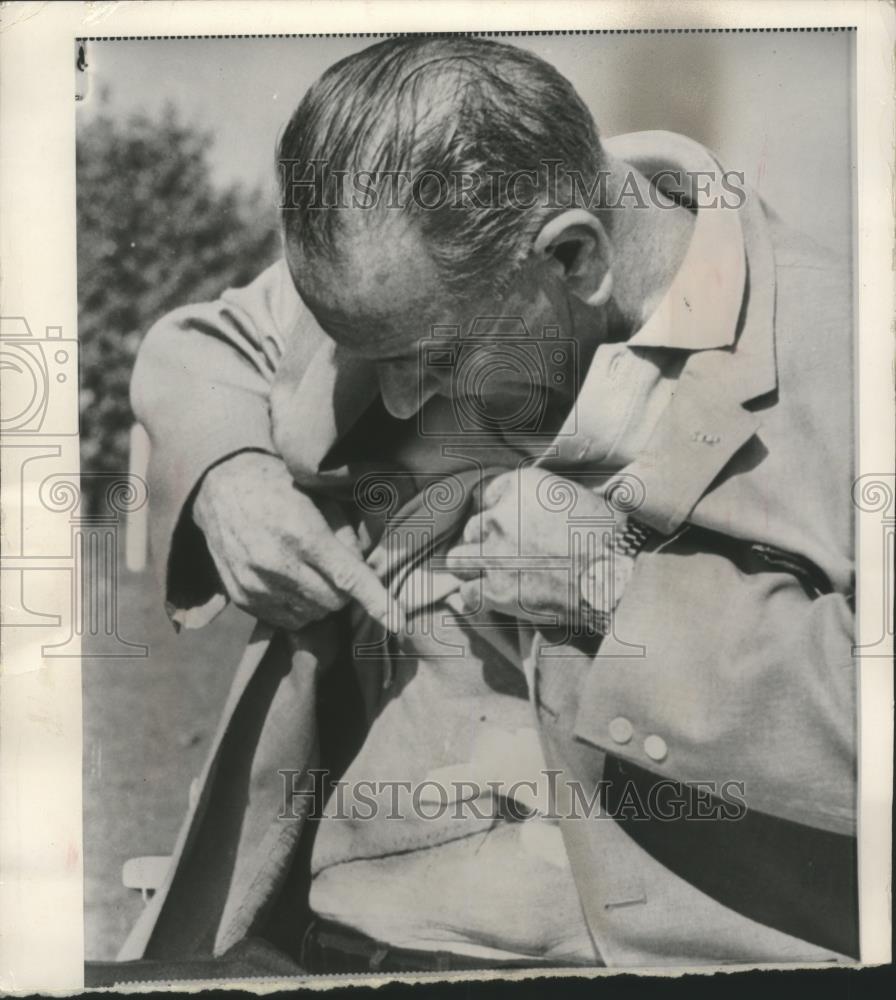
(777, 105)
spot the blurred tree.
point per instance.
(154, 233)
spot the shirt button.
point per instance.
(621, 730)
(655, 748)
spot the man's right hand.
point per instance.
(283, 558)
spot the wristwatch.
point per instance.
(603, 581)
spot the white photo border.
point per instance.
(41, 896)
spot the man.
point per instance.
(708, 370)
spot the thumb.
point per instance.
(464, 561)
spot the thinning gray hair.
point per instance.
(441, 110)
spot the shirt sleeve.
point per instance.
(201, 388)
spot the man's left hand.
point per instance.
(532, 517)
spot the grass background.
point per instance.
(777, 106)
(148, 724)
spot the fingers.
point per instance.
(285, 595)
(337, 521)
(350, 575)
(337, 558)
(471, 596)
(348, 537)
(284, 560)
(464, 561)
(498, 488)
(474, 530)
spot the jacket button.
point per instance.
(621, 730)
(655, 748)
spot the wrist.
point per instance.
(238, 466)
(603, 580)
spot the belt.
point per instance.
(795, 878)
(752, 556)
(328, 947)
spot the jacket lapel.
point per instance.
(707, 422)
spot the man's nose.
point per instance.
(403, 387)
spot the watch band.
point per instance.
(614, 565)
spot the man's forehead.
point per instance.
(380, 294)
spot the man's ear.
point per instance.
(575, 246)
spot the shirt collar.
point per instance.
(701, 308)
